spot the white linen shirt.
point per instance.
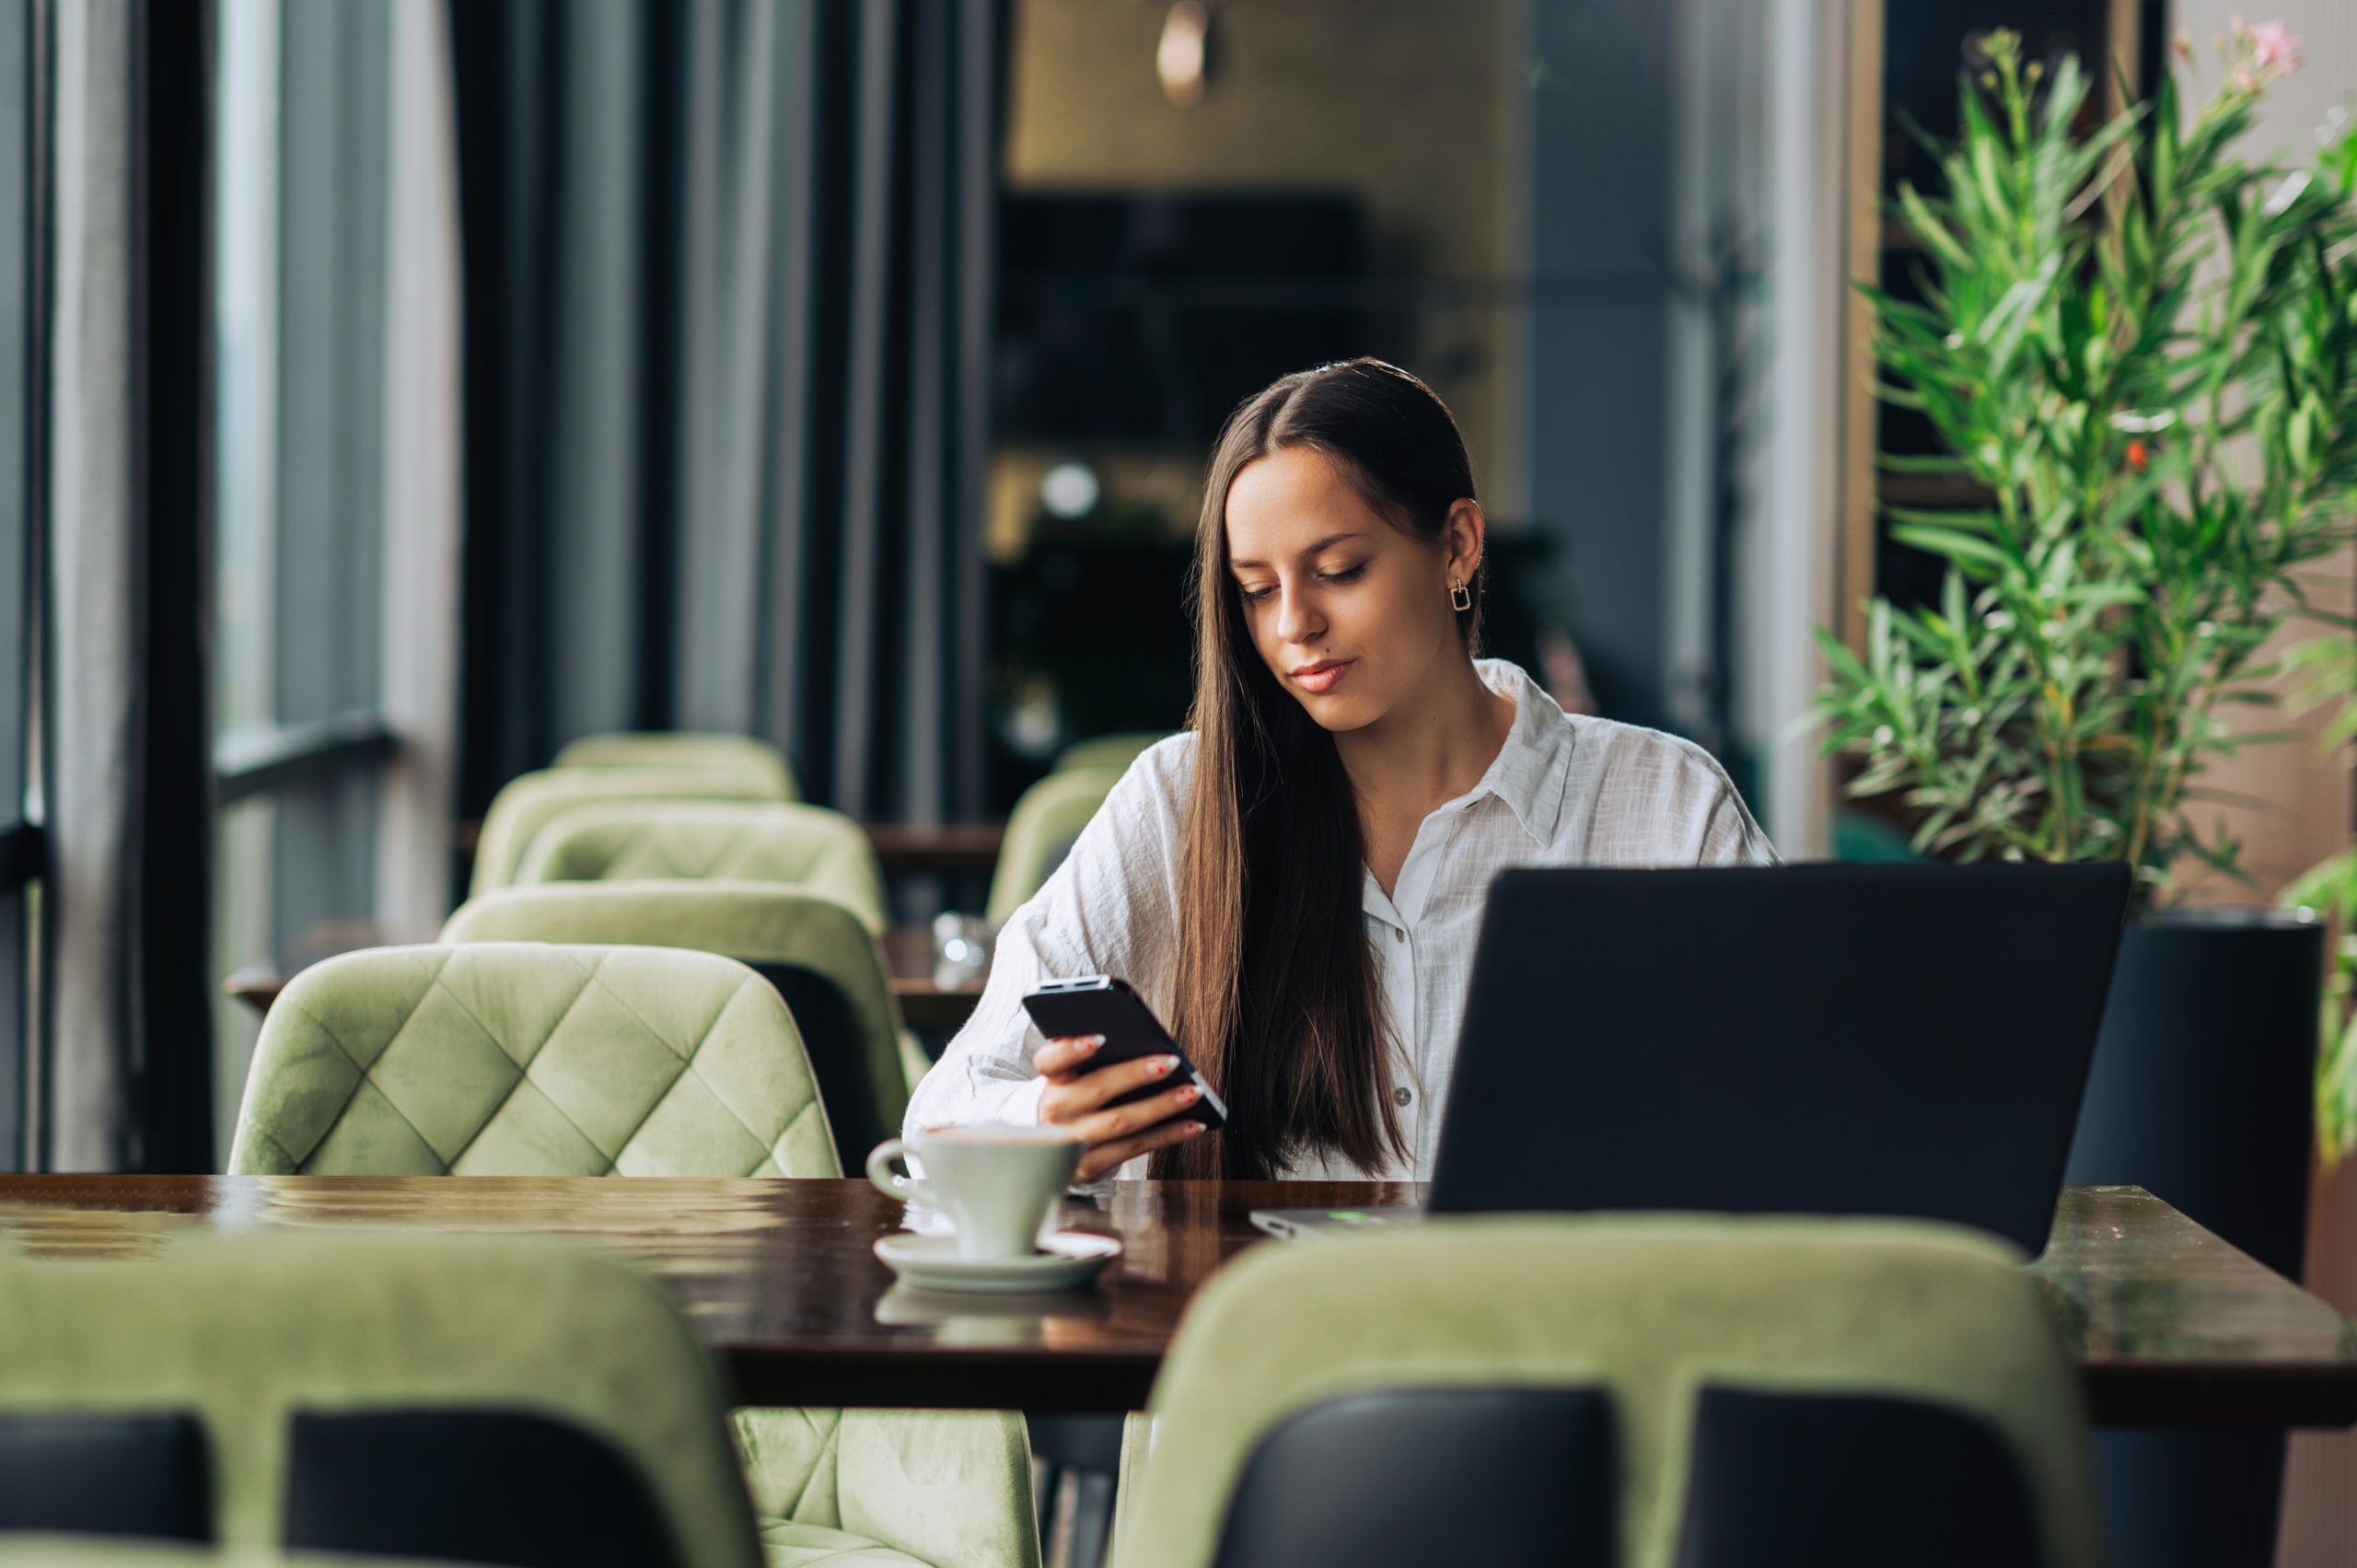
(1563, 791)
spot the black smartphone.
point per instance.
(1100, 1005)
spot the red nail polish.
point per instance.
(1189, 1095)
(1193, 1128)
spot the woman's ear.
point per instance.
(1462, 537)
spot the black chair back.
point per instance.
(110, 1475)
(1851, 1480)
(489, 1486)
(1508, 1477)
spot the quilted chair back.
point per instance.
(818, 954)
(1041, 832)
(667, 749)
(1663, 1325)
(339, 1392)
(529, 801)
(1110, 750)
(950, 1489)
(530, 1058)
(804, 846)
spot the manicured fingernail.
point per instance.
(1189, 1094)
(1192, 1128)
(1163, 1065)
(1087, 1045)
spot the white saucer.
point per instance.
(1071, 1259)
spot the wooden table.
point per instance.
(908, 954)
(951, 846)
(968, 849)
(2172, 1326)
(257, 988)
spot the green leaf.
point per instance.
(1968, 549)
(1920, 222)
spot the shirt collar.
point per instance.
(1530, 774)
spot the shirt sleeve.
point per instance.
(1730, 836)
(1111, 908)
(1656, 800)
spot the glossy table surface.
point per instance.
(2171, 1325)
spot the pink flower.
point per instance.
(2273, 46)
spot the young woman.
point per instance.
(1294, 884)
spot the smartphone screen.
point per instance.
(1100, 1005)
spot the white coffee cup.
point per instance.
(998, 1182)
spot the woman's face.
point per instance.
(1351, 615)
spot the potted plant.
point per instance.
(2139, 352)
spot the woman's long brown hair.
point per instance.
(1277, 1002)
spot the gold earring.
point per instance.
(1459, 596)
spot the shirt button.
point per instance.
(1398, 935)
(1401, 1095)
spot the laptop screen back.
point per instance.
(1891, 1039)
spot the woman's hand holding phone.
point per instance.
(1075, 1098)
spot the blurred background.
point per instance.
(391, 391)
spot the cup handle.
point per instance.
(887, 1181)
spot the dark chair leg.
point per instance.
(1087, 1449)
(1092, 1523)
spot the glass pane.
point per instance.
(245, 419)
(299, 307)
(328, 547)
(246, 359)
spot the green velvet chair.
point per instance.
(668, 748)
(1653, 1328)
(816, 952)
(527, 1059)
(527, 803)
(342, 1393)
(806, 846)
(535, 1059)
(1041, 831)
(1110, 750)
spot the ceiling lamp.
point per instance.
(1069, 491)
(1183, 58)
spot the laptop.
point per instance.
(1907, 1040)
